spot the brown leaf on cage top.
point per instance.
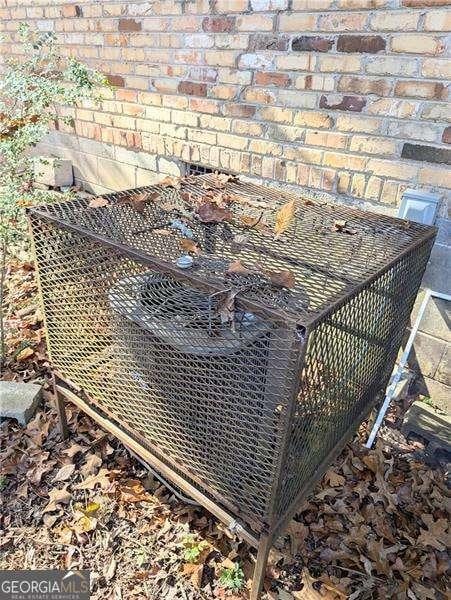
(163, 231)
(284, 216)
(189, 246)
(139, 201)
(187, 197)
(219, 180)
(98, 202)
(341, 226)
(309, 202)
(211, 213)
(284, 278)
(169, 181)
(236, 267)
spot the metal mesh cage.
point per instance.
(243, 383)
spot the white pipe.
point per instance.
(402, 363)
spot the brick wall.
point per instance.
(340, 97)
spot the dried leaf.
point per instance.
(102, 478)
(340, 225)
(84, 524)
(169, 181)
(189, 246)
(111, 569)
(139, 201)
(163, 231)
(237, 268)
(64, 473)
(63, 535)
(284, 278)
(436, 535)
(194, 572)
(93, 462)
(284, 216)
(73, 450)
(212, 213)
(98, 202)
(334, 479)
(57, 497)
(25, 353)
(132, 490)
(91, 509)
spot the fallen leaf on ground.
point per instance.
(132, 490)
(334, 479)
(93, 462)
(102, 478)
(57, 497)
(64, 473)
(25, 353)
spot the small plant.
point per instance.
(3, 482)
(36, 93)
(232, 578)
(193, 548)
(427, 400)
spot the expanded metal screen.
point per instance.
(238, 336)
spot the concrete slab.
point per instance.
(19, 400)
(430, 425)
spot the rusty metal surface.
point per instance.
(245, 409)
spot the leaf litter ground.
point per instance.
(376, 526)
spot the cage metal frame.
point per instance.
(261, 538)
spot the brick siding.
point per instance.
(340, 96)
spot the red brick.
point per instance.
(351, 103)
(311, 43)
(71, 10)
(446, 137)
(278, 79)
(116, 80)
(370, 44)
(218, 24)
(191, 88)
(129, 25)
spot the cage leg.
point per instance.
(61, 410)
(260, 567)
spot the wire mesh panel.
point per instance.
(239, 351)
